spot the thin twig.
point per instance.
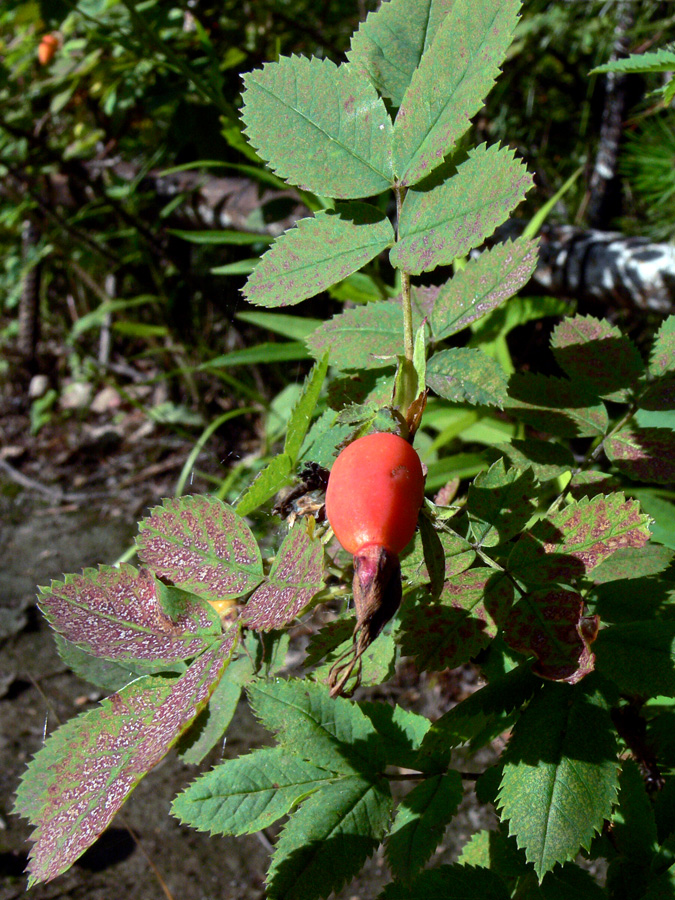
(54, 494)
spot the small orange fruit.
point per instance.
(47, 48)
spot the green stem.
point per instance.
(408, 338)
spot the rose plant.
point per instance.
(542, 570)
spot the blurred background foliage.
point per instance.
(136, 89)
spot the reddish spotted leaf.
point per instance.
(471, 609)
(549, 625)
(117, 613)
(645, 454)
(662, 357)
(579, 537)
(483, 285)
(597, 353)
(295, 577)
(88, 767)
(202, 546)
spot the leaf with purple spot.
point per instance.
(467, 617)
(450, 84)
(662, 357)
(201, 545)
(644, 454)
(483, 285)
(87, 768)
(549, 624)
(117, 613)
(295, 577)
(438, 225)
(572, 541)
(317, 253)
(467, 375)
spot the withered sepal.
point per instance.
(377, 595)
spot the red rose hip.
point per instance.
(375, 491)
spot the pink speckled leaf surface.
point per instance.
(549, 625)
(295, 577)
(116, 613)
(88, 767)
(484, 284)
(571, 542)
(447, 634)
(202, 546)
(450, 84)
(438, 225)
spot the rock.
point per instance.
(76, 395)
(39, 384)
(106, 400)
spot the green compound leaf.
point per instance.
(277, 474)
(388, 46)
(295, 577)
(661, 60)
(363, 338)
(319, 126)
(202, 546)
(332, 733)
(318, 253)
(465, 375)
(420, 822)
(266, 484)
(483, 285)
(439, 225)
(466, 720)
(644, 454)
(597, 353)
(639, 657)
(549, 625)
(556, 405)
(87, 768)
(117, 613)
(560, 777)
(450, 883)
(449, 555)
(547, 459)
(328, 839)
(244, 795)
(450, 84)
(402, 731)
(500, 503)
(302, 412)
(574, 540)
(470, 611)
(662, 358)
